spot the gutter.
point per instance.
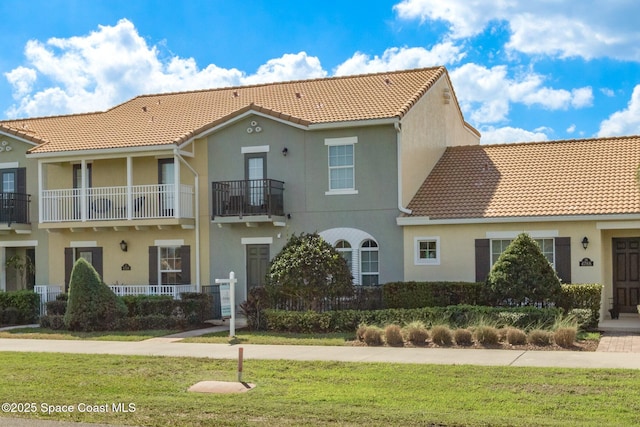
(398, 127)
(176, 153)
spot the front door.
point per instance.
(257, 265)
(626, 274)
(92, 255)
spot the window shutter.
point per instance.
(68, 266)
(21, 180)
(97, 261)
(185, 254)
(153, 265)
(483, 259)
(563, 258)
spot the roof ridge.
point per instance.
(548, 142)
(305, 81)
(55, 116)
(422, 90)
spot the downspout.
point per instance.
(398, 127)
(197, 215)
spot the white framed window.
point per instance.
(547, 246)
(341, 160)
(427, 250)
(344, 248)
(170, 265)
(369, 268)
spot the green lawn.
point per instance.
(318, 393)
(49, 334)
(275, 338)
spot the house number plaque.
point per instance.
(126, 267)
(586, 262)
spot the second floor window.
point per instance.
(341, 165)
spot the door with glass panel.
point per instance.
(166, 179)
(255, 175)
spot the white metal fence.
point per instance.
(117, 203)
(171, 290)
(47, 293)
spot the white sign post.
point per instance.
(229, 305)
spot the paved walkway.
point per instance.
(619, 343)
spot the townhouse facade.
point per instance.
(178, 189)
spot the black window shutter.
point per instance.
(68, 266)
(185, 254)
(97, 261)
(153, 265)
(563, 258)
(21, 179)
(483, 259)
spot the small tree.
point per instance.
(523, 274)
(311, 269)
(91, 306)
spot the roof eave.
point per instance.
(425, 220)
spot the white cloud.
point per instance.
(400, 58)
(607, 92)
(503, 135)
(571, 129)
(560, 28)
(625, 122)
(485, 94)
(114, 63)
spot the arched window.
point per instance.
(344, 248)
(369, 263)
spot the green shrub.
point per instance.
(486, 335)
(463, 337)
(92, 306)
(52, 321)
(565, 337)
(431, 294)
(582, 296)
(253, 308)
(144, 305)
(373, 336)
(197, 307)
(57, 307)
(539, 337)
(522, 275)
(417, 333)
(25, 306)
(441, 335)
(310, 269)
(516, 336)
(393, 336)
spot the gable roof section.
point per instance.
(173, 118)
(558, 178)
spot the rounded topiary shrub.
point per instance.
(463, 337)
(393, 336)
(522, 275)
(91, 305)
(441, 335)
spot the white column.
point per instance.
(129, 187)
(176, 187)
(41, 205)
(83, 189)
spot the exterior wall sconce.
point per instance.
(585, 242)
(123, 246)
(285, 151)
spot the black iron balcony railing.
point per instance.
(14, 208)
(248, 198)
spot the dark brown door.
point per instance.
(626, 274)
(257, 265)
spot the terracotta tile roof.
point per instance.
(574, 177)
(171, 118)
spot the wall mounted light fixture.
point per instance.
(585, 242)
(285, 151)
(123, 246)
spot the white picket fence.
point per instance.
(171, 290)
(47, 293)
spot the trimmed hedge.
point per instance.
(582, 296)
(455, 316)
(432, 294)
(19, 307)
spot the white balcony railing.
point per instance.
(117, 203)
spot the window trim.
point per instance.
(161, 270)
(416, 250)
(538, 237)
(362, 249)
(334, 142)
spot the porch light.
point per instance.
(123, 246)
(585, 242)
(285, 151)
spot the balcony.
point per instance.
(141, 203)
(248, 201)
(14, 212)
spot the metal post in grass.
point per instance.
(240, 359)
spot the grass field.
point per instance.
(49, 334)
(315, 393)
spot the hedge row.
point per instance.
(147, 312)
(456, 316)
(582, 296)
(433, 294)
(19, 307)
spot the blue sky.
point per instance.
(522, 70)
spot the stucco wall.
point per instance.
(305, 173)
